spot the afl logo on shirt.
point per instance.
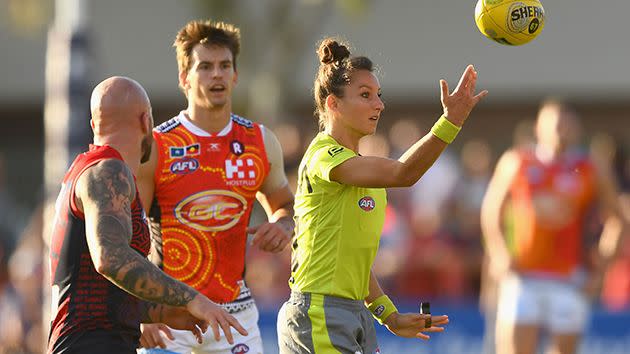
(184, 166)
(367, 203)
(214, 210)
(240, 349)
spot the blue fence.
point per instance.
(608, 333)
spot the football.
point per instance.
(510, 22)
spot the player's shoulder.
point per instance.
(112, 172)
(511, 159)
(325, 144)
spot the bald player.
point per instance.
(103, 286)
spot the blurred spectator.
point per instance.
(523, 135)
(20, 293)
(291, 141)
(403, 133)
(267, 276)
(12, 215)
(465, 207)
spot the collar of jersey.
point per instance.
(183, 118)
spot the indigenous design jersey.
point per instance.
(338, 227)
(83, 300)
(550, 203)
(205, 186)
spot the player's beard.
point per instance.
(147, 141)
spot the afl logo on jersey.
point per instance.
(184, 166)
(214, 210)
(240, 349)
(367, 203)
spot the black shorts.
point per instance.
(97, 342)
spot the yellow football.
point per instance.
(510, 22)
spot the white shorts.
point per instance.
(185, 342)
(558, 306)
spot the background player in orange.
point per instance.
(208, 167)
(550, 189)
(99, 270)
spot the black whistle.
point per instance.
(425, 309)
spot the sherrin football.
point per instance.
(510, 22)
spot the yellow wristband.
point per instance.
(381, 308)
(445, 130)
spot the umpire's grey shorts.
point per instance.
(323, 324)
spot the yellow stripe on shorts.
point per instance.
(319, 330)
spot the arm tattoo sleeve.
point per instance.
(106, 197)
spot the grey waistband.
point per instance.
(349, 304)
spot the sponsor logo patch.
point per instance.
(237, 147)
(214, 210)
(242, 121)
(168, 125)
(379, 310)
(184, 166)
(367, 203)
(240, 349)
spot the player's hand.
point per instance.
(271, 237)
(152, 335)
(216, 317)
(411, 325)
(457, 106)
(180, 318)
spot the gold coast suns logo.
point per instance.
(215, 210)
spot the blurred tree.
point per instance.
(276, 34)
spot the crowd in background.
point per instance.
(431, 246)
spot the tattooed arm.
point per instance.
(105, 193)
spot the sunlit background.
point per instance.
(54, 52)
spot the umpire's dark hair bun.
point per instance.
(331, 51)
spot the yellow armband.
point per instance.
(445, 130)
(381, 308)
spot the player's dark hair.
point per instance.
(335, 72)
(205, 32)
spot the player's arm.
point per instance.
(615, 225)
(105, 193)
(365, 171)
(145, 178)
(410, 325)
(276, 198)
(492, 209)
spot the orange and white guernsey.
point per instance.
(550, 203)
(205, 186)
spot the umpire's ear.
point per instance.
(331, 103)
